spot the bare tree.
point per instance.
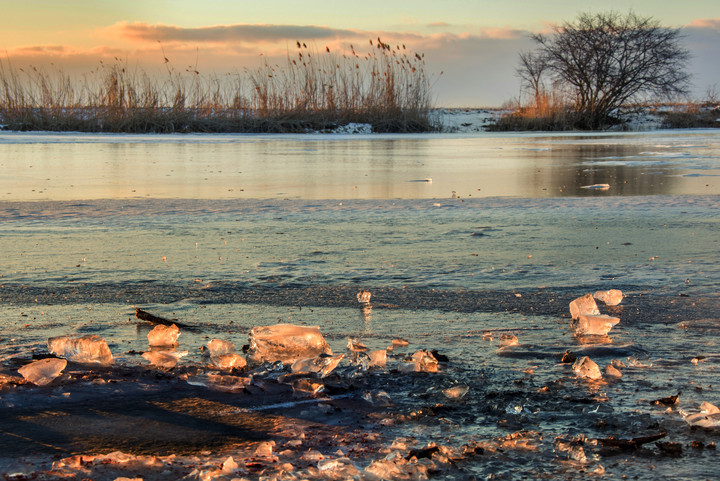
(608, 60)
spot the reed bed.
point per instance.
(387, 87)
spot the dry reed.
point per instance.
(386, 87)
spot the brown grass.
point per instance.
(386, 87)
(548, 111)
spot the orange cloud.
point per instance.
(237, 33)
(705, 23)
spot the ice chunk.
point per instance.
(378, 358)
(44, 371)
(163, 335)
(586, 367)
(222, 354)
(613, 297)
(612, 371)
(584, 305)
(363, 297)
(229, 361)
(321, 365)
(84, 349)
(708, 417)
(355, 345)
(598, 325)
(165, 359)
(306, 388)
(339, 468)
(218, 347)
(422, 361)
(286, 343)
(456, 392)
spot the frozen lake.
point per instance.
(461, 239)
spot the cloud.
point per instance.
(705, 23)
(250, 33)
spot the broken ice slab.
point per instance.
(44, 371)
(584, 305)
(286, 343)
(363, 297)
(612, 297)
(84, 349)
(593, 325)
(586, 367)
(164, 359)
(163, 335)
(321, 365)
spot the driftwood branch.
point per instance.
(146, 316)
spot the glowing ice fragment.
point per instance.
(44, 371)
(84, 349)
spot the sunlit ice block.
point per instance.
(596, 325)
(86, 349)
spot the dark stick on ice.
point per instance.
(146, 316)
(631, 444)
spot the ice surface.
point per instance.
(612, 297)
(286, 343)
(85, 349)
(708, 417)
(586, 367)
(44, 371)
(163, 335)
(584, 305)
(598, 325)
(165, 359)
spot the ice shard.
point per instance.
(222, 354)
(584, 305)
(587, 368)
(44, 371)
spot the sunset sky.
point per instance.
(474, 43)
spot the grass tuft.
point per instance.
(387, 88)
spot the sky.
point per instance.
(470, 46)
